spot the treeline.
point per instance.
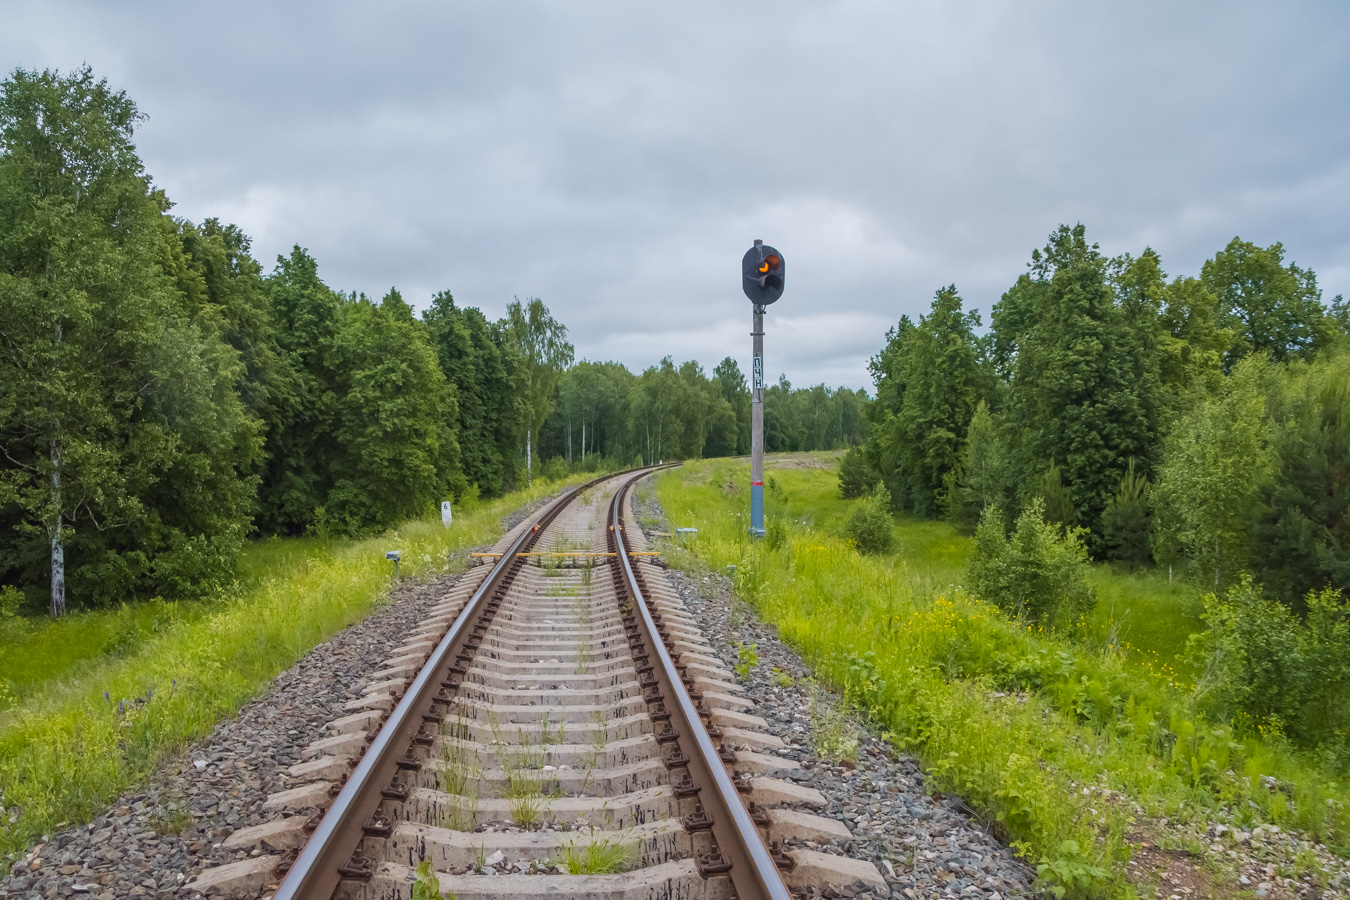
(679, 412)
(163, 398)
(1199, 422)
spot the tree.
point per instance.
(940, 368)
(1195, 343)
(870, 526)
(490, 417)
(857, 478)
(1303, 537)
(119, 408)
(985, 476)
(1075, 359)
(1269, 307)
(393, 415)
(1055, 498)
(301, 444)
(1038, 573)
(1216, 462)
(731, 383)
(784, 429)
(541, 345)
(1125, 521)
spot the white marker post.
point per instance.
(447, 516)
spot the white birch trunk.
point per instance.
(529, 465)
(54, 532)
(583, 441)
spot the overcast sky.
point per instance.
(617, 160)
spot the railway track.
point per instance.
(557, 728)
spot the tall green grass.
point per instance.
(103, 720)
(1054, 738)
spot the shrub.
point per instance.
(555, 469)
(1125, 521)
(1263, 663)
(870, 525)
(856, 475)
(1038, 573)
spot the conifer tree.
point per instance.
(1057, 502)
(1125, 521)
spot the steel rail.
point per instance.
(327, 857)
(753, 871)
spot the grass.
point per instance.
(101, 719)
(1059, 740)
(597, 856)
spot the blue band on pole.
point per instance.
(757, 510)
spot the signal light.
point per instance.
(764, 271)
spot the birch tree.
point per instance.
(544, 354)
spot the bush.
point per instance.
(1262, 663)
(856, 475)
(870, 525)
(555, 469)
(1039, 573)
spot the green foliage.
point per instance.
(732, 386)
(985, 476)
(555, 469)
(934, 377)
(857, 478)
(489, 413)
(395, 457)
(1268, 307)
(129, 455)
(1125, 525)
(428, 886)
(1073, 356)
(870, 526)
(1054, 735)
(11, 601)
(539, 342)
(1069, 870)
(1264, 665)
(1058, 505)
(1216, 462)
(1303, 537)
(747, 657)
(1038, 574)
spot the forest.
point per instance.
(164, 398)
(1202, 423)
(1199, 425)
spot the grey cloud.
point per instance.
(616, 159)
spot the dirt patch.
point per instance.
(1174, 875)
(825, 463)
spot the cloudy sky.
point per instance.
(617, 159)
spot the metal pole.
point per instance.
(757, 425)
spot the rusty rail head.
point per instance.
(753, 871)
(327, 857)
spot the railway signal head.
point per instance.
(762, 274)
